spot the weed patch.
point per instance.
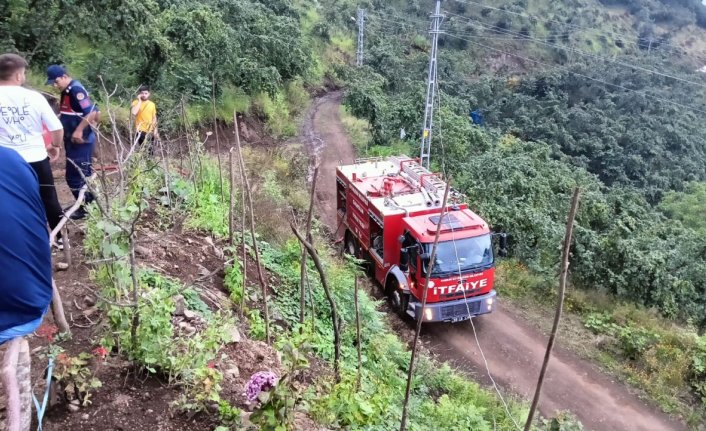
(659, 357)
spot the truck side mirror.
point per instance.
(425, 257)
(404, 259)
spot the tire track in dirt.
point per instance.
(513, 347)
(328, 143)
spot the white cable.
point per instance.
(408, 26)
(406, 21)
(623, 36)
(458, 263)
(521, 37)
(566, 69)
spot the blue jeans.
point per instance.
(21, 330)
(82, 156)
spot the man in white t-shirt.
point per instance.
(23, 113)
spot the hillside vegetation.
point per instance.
(560, 111)
(173, 311)
(620, 119)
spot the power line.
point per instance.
(371, 15)
(623, 36)
(460, 273)
(521, 36)
(400, 20)
(564, 68)
(385, 23)
(701, 111)
(580, 52)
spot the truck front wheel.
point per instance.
(397, 299)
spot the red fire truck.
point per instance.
(391, 208)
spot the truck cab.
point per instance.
(391, 210)
(461, 279)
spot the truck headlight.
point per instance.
(428, 314)
(489, 303)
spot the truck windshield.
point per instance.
(462, 255)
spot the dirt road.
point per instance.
(513, 347)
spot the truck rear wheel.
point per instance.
(349, 247)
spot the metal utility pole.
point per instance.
(361, 36)
(436, 19)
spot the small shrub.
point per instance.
(698, 367)
(276, 411)
(74, 376)
(634, 341)
(277, 115)
(209, 206)
(234, 281)
(257, 325)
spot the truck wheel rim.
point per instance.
(396, 301)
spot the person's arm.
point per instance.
(54, 151)
(136, 104)
(87, 121)
(153, 127)
(90, 115)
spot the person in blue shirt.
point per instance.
(78, 114)
(25, 255)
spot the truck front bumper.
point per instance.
(453, 311)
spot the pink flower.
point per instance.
(100, 352)
(261, 381)
(211, 364)
(47, 331)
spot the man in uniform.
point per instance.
(77, 114)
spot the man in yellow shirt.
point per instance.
(145, 113)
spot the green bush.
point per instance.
(208, 205)
(234, 281)
(698, 367)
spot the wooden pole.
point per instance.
(231, 202)
(57, 310)
(66, 241)
(303, 277)
(410, 373)
(261, 276)
(67, 214)
(167, 179)
(560, 304)
(218, 140)
(357, 335)
(335, 321)
(243, 216)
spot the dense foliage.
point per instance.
(182, 48)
